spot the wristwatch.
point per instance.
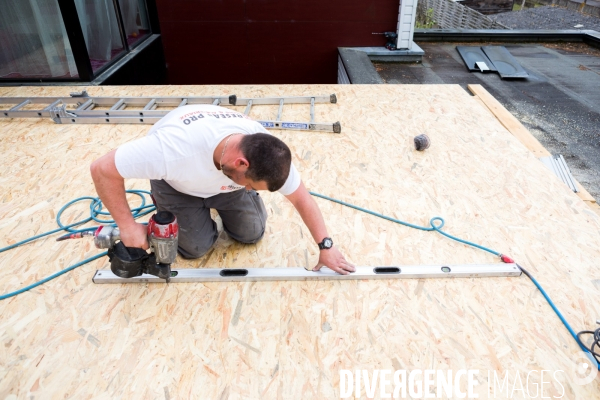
(326, 244)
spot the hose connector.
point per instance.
(506, 259)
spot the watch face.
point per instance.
(327, 243)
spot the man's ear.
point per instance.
(241, 162)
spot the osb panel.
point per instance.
(72, 338)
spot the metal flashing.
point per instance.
(471, 55)
(506, 65)
(557, 164)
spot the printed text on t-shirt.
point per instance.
(198, 115)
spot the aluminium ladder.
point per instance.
(143, 110)
(301, 274)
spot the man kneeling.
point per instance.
(200, 157)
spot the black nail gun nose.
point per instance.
(128, 262)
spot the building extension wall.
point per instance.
(267, 41)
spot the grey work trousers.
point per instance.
(243, 213)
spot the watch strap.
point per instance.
(322, 245)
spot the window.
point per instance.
(101, 32)
(135, 20)
(34, 41)
(67, 40)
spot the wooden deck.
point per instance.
(70, 338)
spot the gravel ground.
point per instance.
(547, 17)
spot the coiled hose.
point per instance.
(436, 224)
(95, 212)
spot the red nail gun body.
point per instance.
(128, 262)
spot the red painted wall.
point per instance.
(267, 41)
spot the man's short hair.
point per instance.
(269, 158)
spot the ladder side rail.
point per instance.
(334, 127)
(288, 100)
(152, 117)
(206, 100)
(24, 114)
(109, 119)
(34, 100)
(169, 100)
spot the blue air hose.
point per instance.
(95, 211)
(432, 223)
(436, 224)
(49, 278)
(438, 228)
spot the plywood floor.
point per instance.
(72, 338)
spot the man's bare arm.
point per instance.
(312, 217)
(110, 186)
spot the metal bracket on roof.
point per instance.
(482, 66)
(557, 164)
(60, 112)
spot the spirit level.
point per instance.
(301, 274)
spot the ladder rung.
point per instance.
(216, 102)
(248, 107)
(280, 111)
(312, 110)
(118, 105)
(150, 104)
(183, 103)
(18, 106)
(51, 106)
(85, 105)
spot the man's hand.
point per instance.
(134, 235)
(110, 186)
(334, 260)
(311, 215)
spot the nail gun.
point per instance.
(128, 262)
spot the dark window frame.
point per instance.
(79, 48)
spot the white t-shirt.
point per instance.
(179, 149)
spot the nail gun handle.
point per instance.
(106, 237)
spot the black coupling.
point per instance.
(129, 262)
